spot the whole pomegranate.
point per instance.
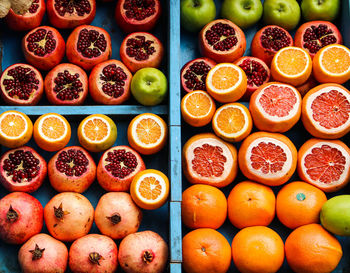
(43, 254)
(21, 217)
(143, 252)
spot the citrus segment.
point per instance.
(96, 129)
(52, 128)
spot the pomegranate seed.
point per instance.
(113, 78)
(121, 164)
(68, 86)
(221, 36)
(256, 73)
(317, 37)
(91, 43)
(41, 42)
(81, 7)
(34, 7)
(72, 163)
(196, 75)
(274, 38)
(140, 48)
(139, 9)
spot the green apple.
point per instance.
(149, 86)
(326, 10)
(244, 13)
(284, 13)
(195, 14)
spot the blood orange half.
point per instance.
(209, 160)
(324, 164)
(268, 158)
(325, 111)
(275, 107)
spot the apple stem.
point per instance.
(196, 3)
(320, 2)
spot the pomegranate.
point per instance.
(43, 254)
(314, 35)
(268, 40)
(22, 169)
(88, 46)
(93, 253)
(29, 20)
(117, 215)
(222, 41)
(66, 84)
(21, 84)
(257, 73)
(136, 15)
(143, 252)
(71, 13)
(71, 169)
(68, 216)
(109, 82)
(43, 47)
(21, 217)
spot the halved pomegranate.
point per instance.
(21, 84)
(70, 14)
(257, 73)
(88, 46)
(109, 82)
(66, 84)
(71, 169)
(141, 49)
(22, 169)
(29, 20)
(117, 168)
(136, 15)
(314, 35)
(268, 40)
(222, 41)
(43, 47)
(194, 74)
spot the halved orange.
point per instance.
(150, 189)
(16, 129)
(52, 132)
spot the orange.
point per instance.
(291, 65)
(197, 108)
(298, 204)
(226, 82)
(251, 204)
(332, 64)
(147, 133)
(312, 249)
(232, 122)
(150, 189)
(205, 250)
(203, 206)
(16, 129)
(257, 250)
(51, 132)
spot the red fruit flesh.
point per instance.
(66, 84)
(22, 169)
(109, 83)
(21, 84)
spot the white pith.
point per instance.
(325, 69)
(296, 75)
(223, 91)
(16, 114)
(205, 94)
(41, 133)
(161, 182)
(103, 139)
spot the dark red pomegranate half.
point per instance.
(43, 47)
(141, 49)
(268, 40)
(71, 13)
(29, 20)
(88, 46)
(109, 83)
(194, 74)
(314, 35)
(136, 15)
(117, 168)
(21, 84)
(22, 169)
(66, 84)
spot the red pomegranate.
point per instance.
(71, 169)
(29, 20)
(22, 169)
(66, 84)
(268, 40)
(117, 168)
(21, 84)
(43, 254)
(135, 15)
(109, 82)
(21, 217)
(222, 41)
(70, 14)
(88, 46)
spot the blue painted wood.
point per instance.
(175, 232)
(175, 169)
(175, 267)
